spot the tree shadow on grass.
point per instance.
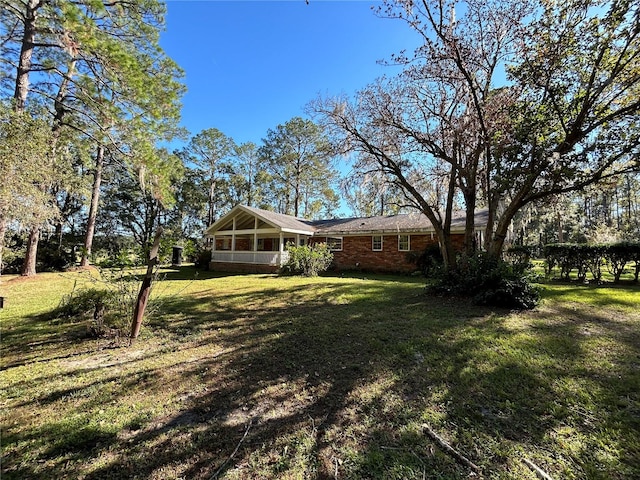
(337, 384)
(600, 295)
(191, 273)
(567, 384)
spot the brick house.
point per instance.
(249, 239)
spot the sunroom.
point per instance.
(253, 237)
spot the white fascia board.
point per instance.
(229, 216)
(310, 233)
(225, 218)
(250, 231)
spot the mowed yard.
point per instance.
(259, 376)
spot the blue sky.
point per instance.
(251, 65)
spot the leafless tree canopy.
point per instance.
(505, 103)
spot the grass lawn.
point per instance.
(258, 376)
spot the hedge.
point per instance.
(589, 259)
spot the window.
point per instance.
(260, 245)
(334, 243)
(376, 243)
(404, 243)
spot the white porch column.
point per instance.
(281, 248)
(255, 235)
(213, 243)
(233, 236)
(255, 238)
(297, 239)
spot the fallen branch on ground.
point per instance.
(215, 475)
(449, 449)
(538, 471)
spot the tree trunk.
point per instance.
(58, 105)
(3, 229)
(20, 98)
(296, 194)
(446, 245)
(145, 289)
(29, 265)
(26, 53)
(58, 235)
(250, 189)
(629, 203)
(22, 87)
(470, 225)
(212, 196)
(93, 209)
(498, 238)
(448, 253)
(491, 219)
(560, 229)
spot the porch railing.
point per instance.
(260, 258)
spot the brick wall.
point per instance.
(357, 253)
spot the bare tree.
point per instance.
(564, 118)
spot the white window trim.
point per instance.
(408, 249)
(373, 248)
(335, 249)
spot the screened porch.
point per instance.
(246, 236)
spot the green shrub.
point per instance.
(634, 255)
(52, 258)
(429, 261)
(12, 260)
(308, 260)
(519, 256)
(191, 250)
(617, 256)
(568, 256)
(489, 282)
(108, 305)
(123, 258)
(93, 304)
(593, 258)
(203, 258)
(590, 258)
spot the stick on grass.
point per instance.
(215, 475)
(538, 471)
(449, 449)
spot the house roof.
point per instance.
(411, 222)
(286, 223)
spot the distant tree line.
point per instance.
(86, 92)
(291, 172)
(608, 212)
(86, 97)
